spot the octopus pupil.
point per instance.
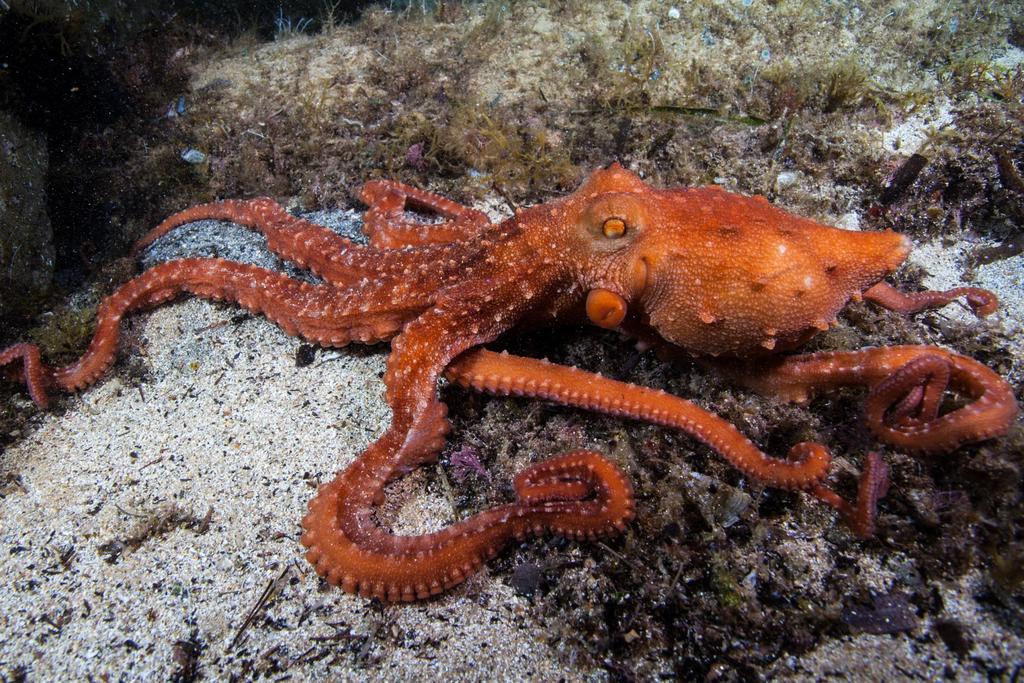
(614, 228)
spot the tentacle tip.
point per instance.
(864, 530)
(983, 303)
(40, 398)
(875, 479)
(874, 484)
(812, 459)
(313, 557)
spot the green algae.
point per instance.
(66, 334)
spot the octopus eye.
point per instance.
(614, 228)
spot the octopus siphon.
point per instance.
(728, 279)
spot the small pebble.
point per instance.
(305, 355)
(193, 156)
(786, 179)
(673, 13)
(849, 221)
(526, 578)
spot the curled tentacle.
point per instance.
(915, 392)
(34, 373)
(874, 483)
(388, 227)
(906, 386)
(981, 301)
(577, 495)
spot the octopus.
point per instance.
(729, 280)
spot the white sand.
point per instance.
(226, 422)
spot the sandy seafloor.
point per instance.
(229, 435)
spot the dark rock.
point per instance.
(305, 355)
(526, 578)
(891, 613)
(953, 635)
(26, 238)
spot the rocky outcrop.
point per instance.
(26, 238)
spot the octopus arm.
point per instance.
(388, 225)
(906, 385)
(805, 467)
(299, 241)
(577, 495)
(505, 374)
(580, 494)
(339, 261)
(316, 312)
(981, 301)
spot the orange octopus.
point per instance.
(702, 270)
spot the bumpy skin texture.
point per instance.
(727, 278)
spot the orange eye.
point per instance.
(614, 228)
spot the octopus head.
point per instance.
(715, 272)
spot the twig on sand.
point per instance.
(268, 594)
